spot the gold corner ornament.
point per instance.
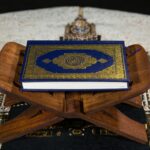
(80, 29)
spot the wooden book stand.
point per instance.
(95, 107)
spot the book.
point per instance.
(74, 65)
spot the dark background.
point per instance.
(140, 6)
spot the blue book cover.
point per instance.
(63, 63)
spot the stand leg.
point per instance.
(135, 102)
(115, 121)
(30, 120)
(10, 101)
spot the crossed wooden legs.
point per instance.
(37, 117)
(49, 108)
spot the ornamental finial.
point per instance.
(80, 29)
(80, 11)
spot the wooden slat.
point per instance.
(73, 105)
(139, 75)
(135, 102)
(59, 95)
(9, 101)
(115, 121)
(43, 99)
(9, 57)
(28, 122)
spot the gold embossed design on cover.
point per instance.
(102, 60)
(116, 71)
(74, 61)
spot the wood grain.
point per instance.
(30, 121)
(115, 121)
(9, 101)
(9, 58)
(135, 102)
(139, 72)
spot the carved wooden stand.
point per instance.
(95, 107)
